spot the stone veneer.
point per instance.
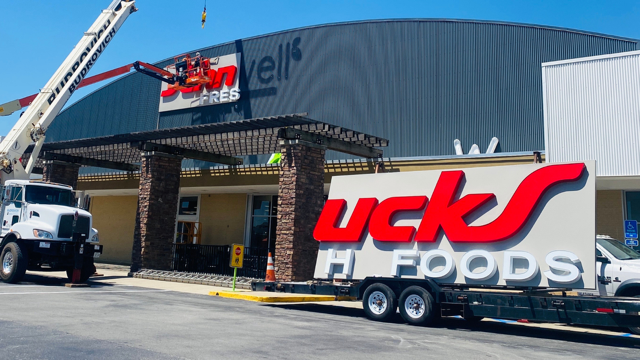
(300, 201)
(61, 172)
(156, 215)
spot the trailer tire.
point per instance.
(635, 329)
(379, 302)
(416, 306)
(88, 269)
(14, 263)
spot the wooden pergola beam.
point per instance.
(187, 153)
(331, 143)
(91, 162)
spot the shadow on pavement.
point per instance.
(484, 326)
(113, 277)
(59, 279)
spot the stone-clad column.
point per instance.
(156, 216)
(61, 172)
(300, 201)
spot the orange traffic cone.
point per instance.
(271, 273)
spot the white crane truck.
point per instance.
(42, 229)
(510, 242)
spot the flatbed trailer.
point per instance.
(382, 296)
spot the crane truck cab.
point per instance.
(43, 230)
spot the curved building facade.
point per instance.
(419, 83)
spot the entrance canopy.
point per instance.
(218, 142)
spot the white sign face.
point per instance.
(525, 225)
(223, 87)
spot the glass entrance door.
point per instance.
(263, 221)
(188, 227)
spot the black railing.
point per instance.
(214, 259)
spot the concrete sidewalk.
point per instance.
(119, 277)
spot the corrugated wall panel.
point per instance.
(419, 83)
(592, 112)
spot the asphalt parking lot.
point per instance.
(42, 319)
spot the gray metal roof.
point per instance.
(421, 83)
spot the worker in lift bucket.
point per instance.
(181, 69)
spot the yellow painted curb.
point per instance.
(277, 297)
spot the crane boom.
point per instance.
(16, 105)
(32, 125)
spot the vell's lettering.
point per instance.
(268, 65)
(443, 211)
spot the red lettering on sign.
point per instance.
(226, 75)
(327, 227)
(380, 226)
(168, 92)
(217, 76)
(443, 211)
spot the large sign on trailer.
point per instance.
(526, 225)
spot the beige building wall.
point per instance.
(609, 213)
(115, 219)
(223, 218)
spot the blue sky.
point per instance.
(36, 35)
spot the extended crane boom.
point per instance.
(16, 105)
(47, 104)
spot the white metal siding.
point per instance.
(592, 112)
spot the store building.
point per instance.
(592, 113)
(420, 84)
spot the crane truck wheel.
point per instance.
(14, 263)
(88, 269)
(416, 306)
(379, 302)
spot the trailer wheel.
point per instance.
(14, 263)
(379, 302)
(635, 329)
(88, 269)
(416, 306)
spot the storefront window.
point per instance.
(263, 221)
(188, 205)
(633, 205)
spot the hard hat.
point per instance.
(197, 53)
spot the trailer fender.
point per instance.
(629, 287)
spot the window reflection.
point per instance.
(263, 221)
